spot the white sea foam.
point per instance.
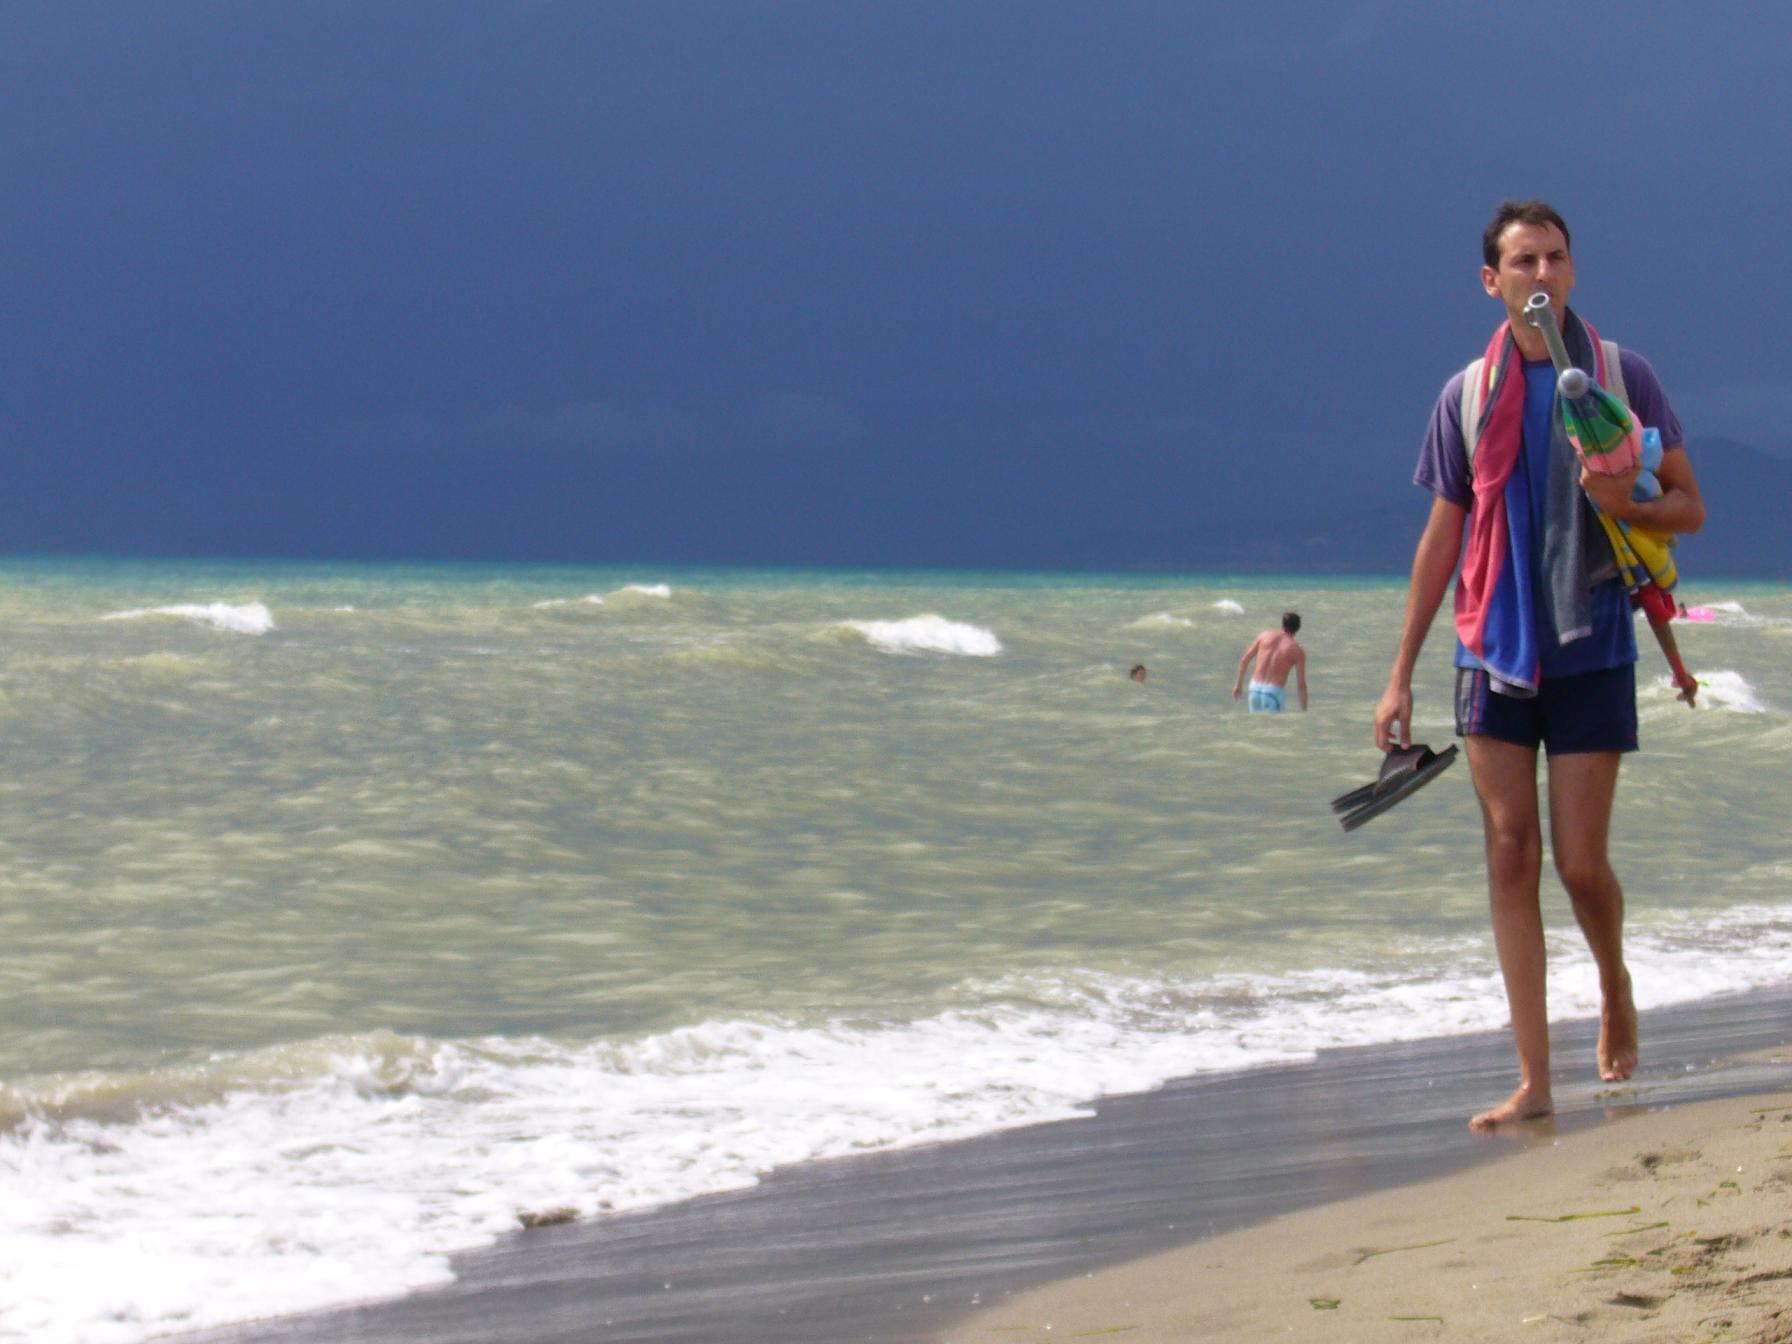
(590, 599)
(1730, 690)
(635, 598)
(248, 618)
(1161, 620)
(929, 634)
(350, 1170)
(1723, 691)
(1227, 604)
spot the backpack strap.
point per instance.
(1614, 373)
(1472, 392)
(1472, 378)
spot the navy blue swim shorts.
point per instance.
(1595, 711)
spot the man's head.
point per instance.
(1524, 249)
(1290, 623)
(1506, 213)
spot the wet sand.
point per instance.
(906, 1247)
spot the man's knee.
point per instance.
(1586, 877)
(1513, 850)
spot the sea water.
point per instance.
(351, 915)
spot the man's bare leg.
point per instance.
(1505, 777)
(1581, 789)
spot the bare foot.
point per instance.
(1525, 1104)
(1617, 1036)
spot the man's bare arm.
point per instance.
(1244, 662)
(1300, 676)
(1678, 509)
(1433, 562)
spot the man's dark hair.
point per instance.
(1508, 213)
(1291, 622)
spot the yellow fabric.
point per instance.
(1642, 554)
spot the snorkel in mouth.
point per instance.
(1539, 313)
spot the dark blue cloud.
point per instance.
(968, 282)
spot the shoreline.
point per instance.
(896, 1248)
(1670, 1223)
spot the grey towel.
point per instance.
(1576, 554)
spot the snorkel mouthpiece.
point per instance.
(1570, 381)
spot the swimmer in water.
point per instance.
(1277, 653)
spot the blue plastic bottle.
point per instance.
(1648, 485)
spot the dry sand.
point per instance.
(1672, 1224)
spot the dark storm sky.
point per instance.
(891, 283)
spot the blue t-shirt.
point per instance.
(1445, 471)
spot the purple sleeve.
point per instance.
(1647, 400)
(1443, 461)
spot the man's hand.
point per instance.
(1396, 705)
(1610, 493)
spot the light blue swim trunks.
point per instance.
(1267, 699)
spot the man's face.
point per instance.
(1532, 257)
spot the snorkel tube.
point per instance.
(1570, 381)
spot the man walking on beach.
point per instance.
(1277, 653)
(1546, 651)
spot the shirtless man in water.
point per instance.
(1573, 694)
(1277, 653)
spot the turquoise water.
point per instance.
(351, 911)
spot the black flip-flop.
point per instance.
(1405, 771)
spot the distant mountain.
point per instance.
(1747, 533)
(1748, 514)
